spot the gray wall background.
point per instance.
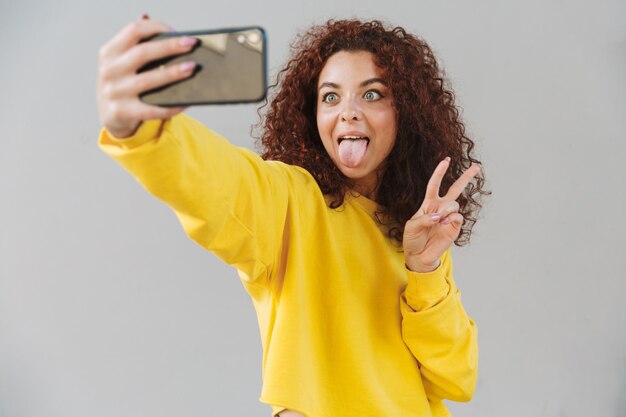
(107, 309)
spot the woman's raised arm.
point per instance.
(227, 199)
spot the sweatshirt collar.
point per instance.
(365, 203)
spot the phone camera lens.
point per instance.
(254, 37)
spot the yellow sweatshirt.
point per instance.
(346, 329)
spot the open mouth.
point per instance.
(352, 149)
(351, 137)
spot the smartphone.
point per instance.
(231, 68)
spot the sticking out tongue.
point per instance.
(352, 151)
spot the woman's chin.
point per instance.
(356, 173)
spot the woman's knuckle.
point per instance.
(133, 28)
(103, 52)
(107, 90)
(142, 84)
(116, 110)
(105, 72)
(140, 55)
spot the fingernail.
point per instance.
(446, 220)
(187, 66)
(435, 217)
(447, 158)
(187, 41)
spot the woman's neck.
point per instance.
(367, 186)
(366, 191)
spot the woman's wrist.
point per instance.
(420, 268)
(122, 132)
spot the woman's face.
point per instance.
(356, 118)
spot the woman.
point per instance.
(341, 231)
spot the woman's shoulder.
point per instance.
(296, 176)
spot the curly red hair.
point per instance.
(429, 124)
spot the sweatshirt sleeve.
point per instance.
(227, 199)
(439, 333)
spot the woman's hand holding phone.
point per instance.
(119, 85)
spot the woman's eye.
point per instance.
(330, 98)
(372, 95)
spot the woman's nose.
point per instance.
(351, 112)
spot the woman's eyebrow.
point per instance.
(363, 84)
(373, 81)
(328, 84)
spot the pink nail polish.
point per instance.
(435, 217)
(187, 41)
(446, 220)
(187, 66)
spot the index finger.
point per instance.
(459, 185)
(434, 183)
(132, 34)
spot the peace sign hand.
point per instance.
(437, 223)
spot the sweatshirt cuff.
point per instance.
(146, 132)
(425, 290)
